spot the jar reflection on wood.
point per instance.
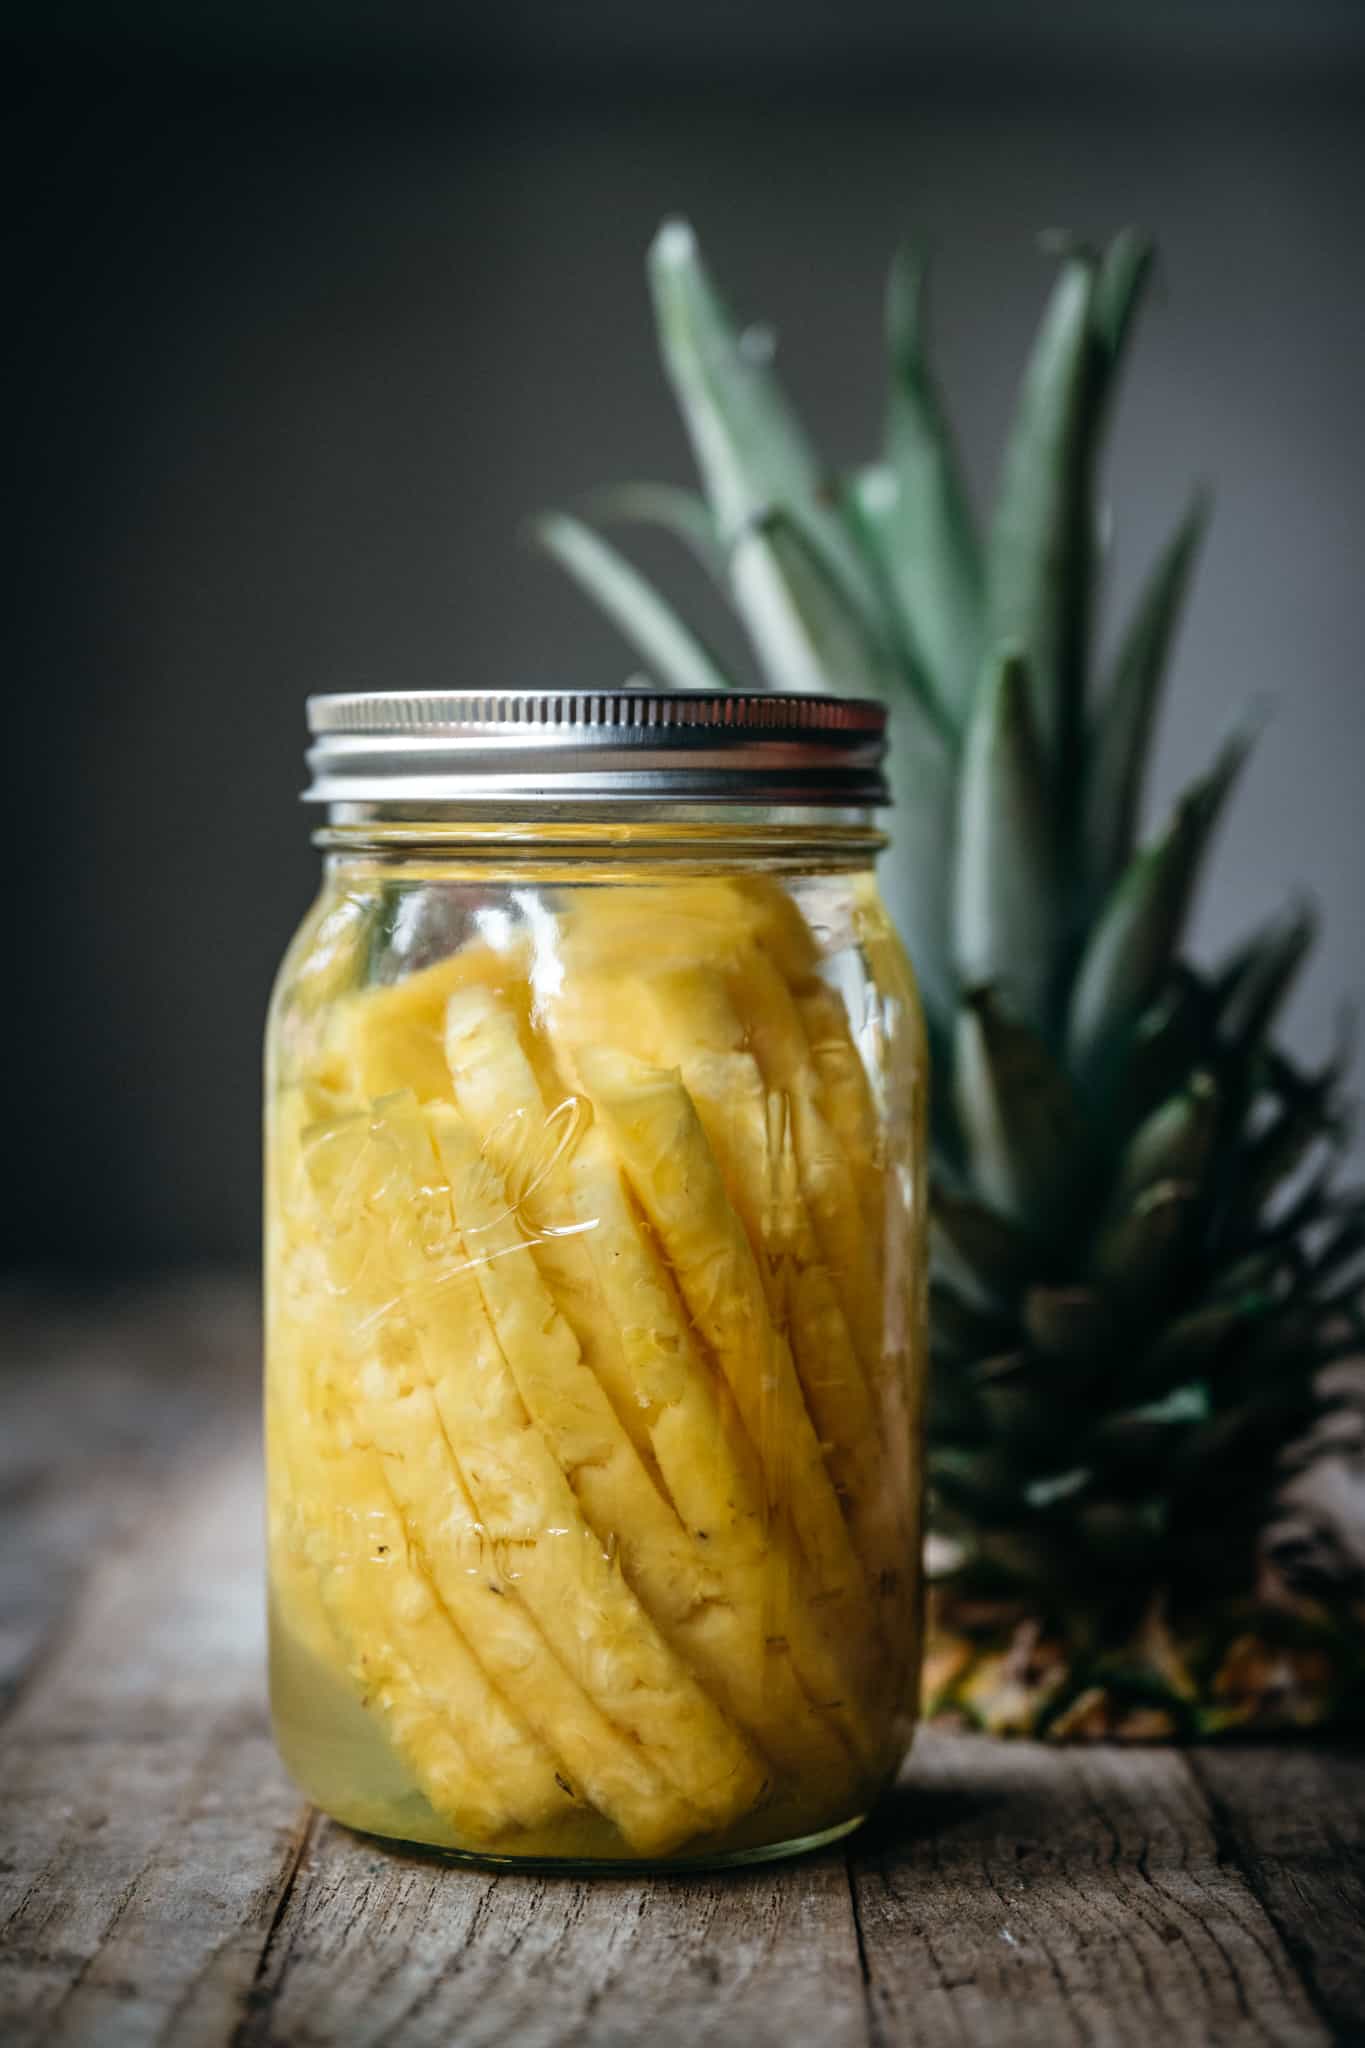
(595, 1282)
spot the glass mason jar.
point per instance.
(596, 1281)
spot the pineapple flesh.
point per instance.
(594, 1530)
(1147, 1277)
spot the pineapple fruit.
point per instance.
(1143, 1260)
(579, 1547)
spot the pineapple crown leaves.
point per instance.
(1113, 1128)
(880, 584)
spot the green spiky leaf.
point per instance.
(1137, 1254)
(1039, 560)
(1024, 1132)
(680, 512)
(1006, 899)
(1124, 273)
(1008, 1395)
(1067, 1322)
(807, 633)
(750, 448)
(1133, 945)
(954, 1413)
(1174, 1143)
(959, 1328)
(809, 637)
(1196, 1340)
(805, 616)
(1149, 1427)
(1058, 1486)
(978, 1480)
(1257, 980)
(1121, 742)
(932, 549)
(1343, 1246)
(677, 658)
(1279, 1152)
(980, 1253)
(870, 501)
(1173, 1035)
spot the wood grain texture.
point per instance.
(1292, 1821)
(147, 1826)
(1016, 1892)
(381, 1947)
(161, 1882)
(98, 1402)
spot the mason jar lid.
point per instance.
(595, 746)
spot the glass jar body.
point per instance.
(595, 1346)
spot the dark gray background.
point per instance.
(313, 307)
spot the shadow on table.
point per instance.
(907, 1818)
(912, 1815)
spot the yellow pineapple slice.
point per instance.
(874, 1440)
(840, 1137)
(567, 1180)
(295, 1586)
(683, 920)
(906, 1199)
(491, 1080)
(687, 1020)
(571, 1205)
(663, 1148)
(578, 1480)
(771, 1023)
(845, 1101)
(393, 1407)
(410, 1666)
(522, 1496)
(295, 1590)
(388, 1037)
(842, 1406)
(445, 1384)
(328, 1483)
(710, 977)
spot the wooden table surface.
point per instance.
(161, 1881)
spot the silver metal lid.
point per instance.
(595, 746)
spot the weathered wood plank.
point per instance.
(159, 1881)
(374, 1946)
(1292, 1819)
(148, 1830)
(98, 1401)
(1016, 1892)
